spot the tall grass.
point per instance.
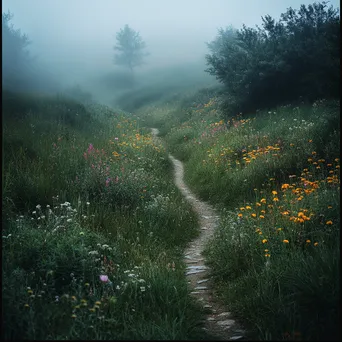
(276, 177)
(94, 227)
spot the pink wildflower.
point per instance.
(90, 148)
(104, 278)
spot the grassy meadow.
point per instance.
(93, 227)
(275, 176)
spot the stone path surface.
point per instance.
(219, 322)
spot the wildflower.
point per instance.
(329, 222)
(248, 207)
(29, 292)
(275, 199)
(329, 206)
(26, 305)
(286, 241)
(73, 316)
(73, 298)
(253, 215)
(262, 216)
(240, 215)
(263, 200)
(279, 229)
(316, 244)
(274, 192)
(267, 255)
(308, 241)
(104, 278)
(87, 284)
(92, 310)
(97, 303)
(264, 241)
(81, 233)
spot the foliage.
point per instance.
(296, 57)
(96, 267)
(275, 175)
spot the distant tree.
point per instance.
(131, 48)
(15, 56)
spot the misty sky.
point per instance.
(78, 35)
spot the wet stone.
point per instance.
(194, 272)
(199, 267)
(224, 314)
(226, 323)
(202, 281)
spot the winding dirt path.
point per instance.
(219, 322)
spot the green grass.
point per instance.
(275, 175)
(86, 193)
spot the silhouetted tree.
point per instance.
(15, 56)
(131, 46)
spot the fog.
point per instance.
(74, 39)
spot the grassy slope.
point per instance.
(275, 175)
(86, 193)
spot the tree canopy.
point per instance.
(296, 57)
(131, 48)
(15, 56)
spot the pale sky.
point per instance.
(79, 35)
